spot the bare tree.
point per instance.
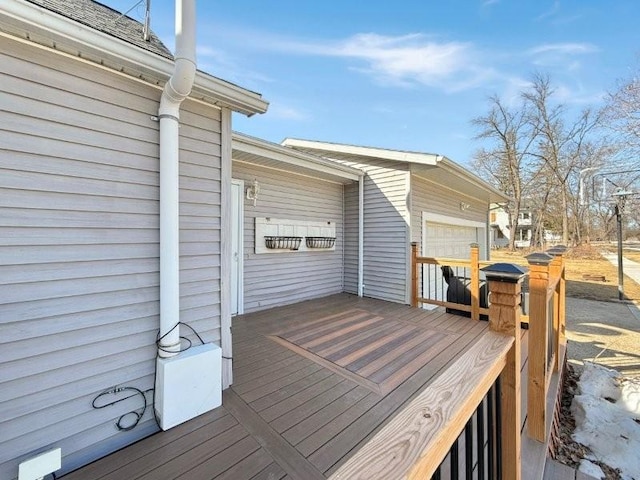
(560, 147)
(622, 113)
(505, 162)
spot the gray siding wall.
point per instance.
(427, 196)
(351, 228)
(386, 229)
(283, 278)
(79, 249)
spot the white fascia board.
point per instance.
(382, 153)
(496, 195)
(67, 35)
(273, 151)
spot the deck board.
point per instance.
(287, 416)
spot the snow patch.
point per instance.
(607, 416)
(591, 469)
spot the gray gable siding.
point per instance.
(386, 228)
(351, 228)
(283, 278)
(428, 196)
(79, 249)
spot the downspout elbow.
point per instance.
(178, 87)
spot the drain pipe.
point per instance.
(175, 91)
(361, 235)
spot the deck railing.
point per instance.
(414, 443)
(453, 283)
(546, 317)
(547, 333)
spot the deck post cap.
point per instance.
(539, 258)
(504, 272)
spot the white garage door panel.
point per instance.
(445, 240)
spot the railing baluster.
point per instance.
(436, 475)
(468, 449)
(491, 433)
(454, 460)
(480, 435)
(498, 430)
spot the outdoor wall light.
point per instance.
(253, 191)
(464, 206)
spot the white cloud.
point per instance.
(488, 3)
(563, 48)
(561, 55)
(406, 60)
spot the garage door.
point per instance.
(451, 241)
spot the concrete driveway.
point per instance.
(605, 332)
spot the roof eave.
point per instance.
(495, 195)
(369, 152)
(38, 25)
(257, 146)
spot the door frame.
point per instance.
(240, 232)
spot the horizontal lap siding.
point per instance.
(79, 249)
(386, 227)
(430, 197)
(351, 228)
(282, 278)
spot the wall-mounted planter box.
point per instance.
(282, 243)
(286, 236)
(320, 242)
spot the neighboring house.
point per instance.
(408, 197)
(79, 203)
(501, 228)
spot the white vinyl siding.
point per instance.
(432, 198)
(351, 227)
(386, 226)
(283, 278)
(79, 249)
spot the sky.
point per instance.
(404, 74)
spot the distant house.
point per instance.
(501, 228)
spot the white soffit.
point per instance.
(260, 152)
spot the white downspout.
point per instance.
(361, 236)
(175, 91)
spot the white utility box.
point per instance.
(188, 384)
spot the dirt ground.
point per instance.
(580, 262)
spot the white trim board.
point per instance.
(240, 232)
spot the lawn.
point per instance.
(581, 261)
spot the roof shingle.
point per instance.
(107, 20)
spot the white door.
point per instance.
(237, 230)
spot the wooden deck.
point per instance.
(313, 382)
